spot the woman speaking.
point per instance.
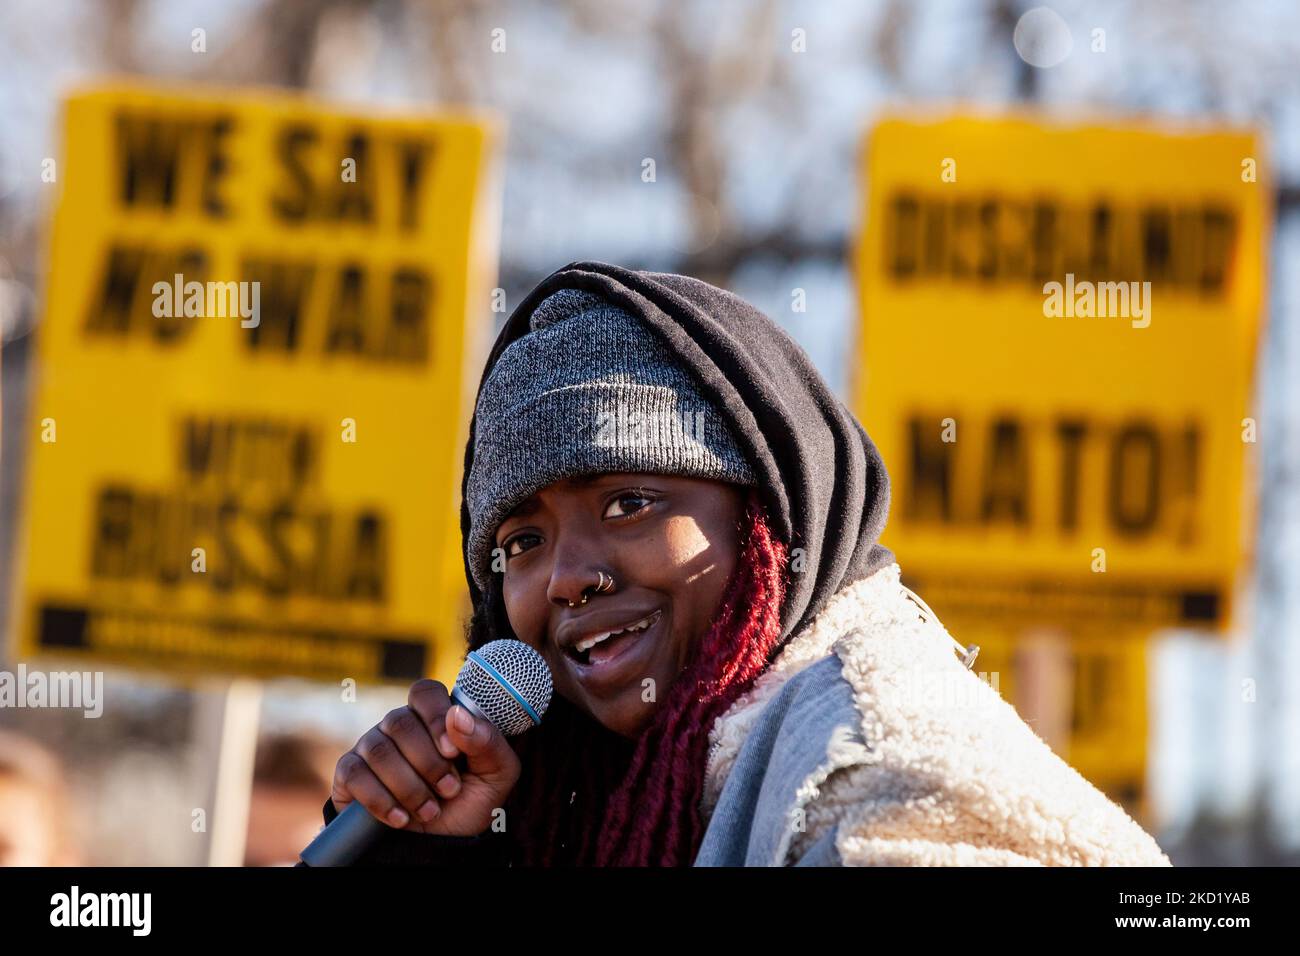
(665, 500)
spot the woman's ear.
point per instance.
(489, 621)
(753, 506)
(500, 619)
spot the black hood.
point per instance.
(821, 477)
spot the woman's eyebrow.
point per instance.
(531, 503)
(523, 509)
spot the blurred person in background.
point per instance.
(33, 805)
(290, 771)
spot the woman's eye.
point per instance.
(510, 545)
(618, 502)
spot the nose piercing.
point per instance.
(605, 585)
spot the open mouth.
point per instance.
(607, 644)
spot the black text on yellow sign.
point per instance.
(369, 179)
(1056, 360)
(256, 357)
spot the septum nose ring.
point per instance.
(604, 585)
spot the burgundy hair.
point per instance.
(589, 796)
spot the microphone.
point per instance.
(504, 682)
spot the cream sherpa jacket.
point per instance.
(868, 742)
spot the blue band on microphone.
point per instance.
(500, 679)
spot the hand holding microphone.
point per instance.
(418, 769)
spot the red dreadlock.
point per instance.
(590, 796)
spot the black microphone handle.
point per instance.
(346, 838)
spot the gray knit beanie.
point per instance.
(590, 388)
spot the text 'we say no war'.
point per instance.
(275, 193)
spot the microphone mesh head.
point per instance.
(489, 675)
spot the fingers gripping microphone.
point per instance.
(504, 682)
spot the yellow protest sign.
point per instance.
(1109, 726)
(1056, 361)
(256, 373)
